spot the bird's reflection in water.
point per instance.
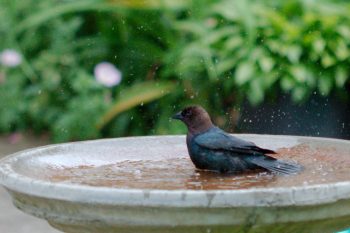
(209, 180)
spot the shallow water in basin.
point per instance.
(320, 166)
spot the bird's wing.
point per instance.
(218, 139)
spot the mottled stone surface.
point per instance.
(13, 220)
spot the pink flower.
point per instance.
(10, 58)
(107, 74)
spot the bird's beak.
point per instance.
(178, 116)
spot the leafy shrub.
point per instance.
(256, 47)
(210, 52)
(54, 88)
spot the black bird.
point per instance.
(211, 148)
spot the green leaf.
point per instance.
(342, 52)
(256, 91)
(191, 27)
(299, 73)
(327, 60)
(140, 93)
(233, 43)
(274, 45)
(325, 84)
(340, 77)
(293, 53)
(219, 34)
(303, 75)
(210, 66)
(270, 78)
(344, 31)
(227, 9)
(299, 93)
(244, 73)
(319, 45)
(226, 65)
(287, 83)
(266, 63)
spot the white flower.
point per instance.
(107, 74)
(10, 58)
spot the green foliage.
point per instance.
(171, 54)
(54, 88)
(256, 47)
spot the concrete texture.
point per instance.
(13, 220)
(80, 208)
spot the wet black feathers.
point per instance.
(217, 140)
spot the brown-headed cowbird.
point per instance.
(211, 148)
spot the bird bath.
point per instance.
(148, 184)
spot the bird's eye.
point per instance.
(186, 113)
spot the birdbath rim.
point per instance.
(281, 196)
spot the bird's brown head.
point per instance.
(196, 119)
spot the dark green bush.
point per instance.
(257, 47)
(54, 88)
(214, 53)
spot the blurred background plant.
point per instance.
(92, 68)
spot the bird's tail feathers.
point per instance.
(276, 166)
(264, 151)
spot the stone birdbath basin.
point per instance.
(148, 184)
